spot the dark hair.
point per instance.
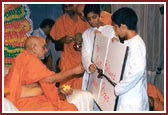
(125, 16)
(91, 8)
(46, 22)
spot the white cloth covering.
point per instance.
(87, 47)
(9, 106)
(82, 99)
(132, 90)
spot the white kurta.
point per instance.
(87, 48)
(132, 90)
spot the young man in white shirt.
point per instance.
(92, 14)
(132, 90)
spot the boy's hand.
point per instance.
(92, 68)
(96, 31)
(114, 39)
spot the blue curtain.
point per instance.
(42, 11)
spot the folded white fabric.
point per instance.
(82, 99)
(9, 106)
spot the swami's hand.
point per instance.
(66, 92)
(92, 68)
(63, 92)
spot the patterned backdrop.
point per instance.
(17, 27)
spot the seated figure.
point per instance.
(31, 86)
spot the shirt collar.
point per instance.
(132, 39)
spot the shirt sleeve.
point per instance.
(136, 68)
(86, 55)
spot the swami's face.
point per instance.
(40, 49)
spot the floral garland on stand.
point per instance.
(17, 27)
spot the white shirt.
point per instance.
(132, 90)
(87, 47)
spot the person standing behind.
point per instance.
(132, 90)
(105, 17)
(44, 31)
(66, 28)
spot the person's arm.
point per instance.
(31, 90)
(63, 75)
(35, 90)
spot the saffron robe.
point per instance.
(106, 18)
(28, 69)
(63, 26)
